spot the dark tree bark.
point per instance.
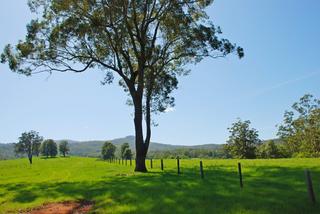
(139, 141)
(30, 159)
(148, 120)
(140, 162)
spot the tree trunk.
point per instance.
(148, 122)
(140, 151)
(30, 159)
(140, 147)
(140, 163)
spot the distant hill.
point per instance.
(93, 148)
(6, 151)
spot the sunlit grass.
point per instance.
(270, 186)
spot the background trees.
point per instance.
(108, 150)
(300, 129)
(29, 144)
(44, 149)
(299, 134)
(146, 43)
(243, 141)
(126, 152)
(49, 148)
(64, 148)
(269, 150)
(36, 148)
(187, 153)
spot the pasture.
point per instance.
(270, 186)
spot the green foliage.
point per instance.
(49, 148)
(29, 143)
(270, 150)
(187, 153)
(64, 148)
(36, 148)
(108, 150)
(300, 129)
(270, 186)
(243, 140)
(126, 152)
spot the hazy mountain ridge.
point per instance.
(6, 151)
(92, 148)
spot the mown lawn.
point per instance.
(270, 186)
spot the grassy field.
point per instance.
(270, 186)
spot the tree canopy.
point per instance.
(300, 129)
(126, 152)
(108, 150)
(64, 148)
(270, 149)
(29, 143)
(243, 140)
(49, 148)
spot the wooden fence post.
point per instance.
(240, 174)
(201, 170)
(162, 164)
(178, 165)
(151, 163)
(310, 186)
(130, 162)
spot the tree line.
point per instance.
(187, 153)
(31, 143)
(108, 151)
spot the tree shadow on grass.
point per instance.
(279, 190)
(48, 158)
(25, 196)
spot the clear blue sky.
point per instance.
(282, 63)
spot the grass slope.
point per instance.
(270, 186)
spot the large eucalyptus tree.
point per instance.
(146, 42)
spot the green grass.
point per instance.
(270, 186)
